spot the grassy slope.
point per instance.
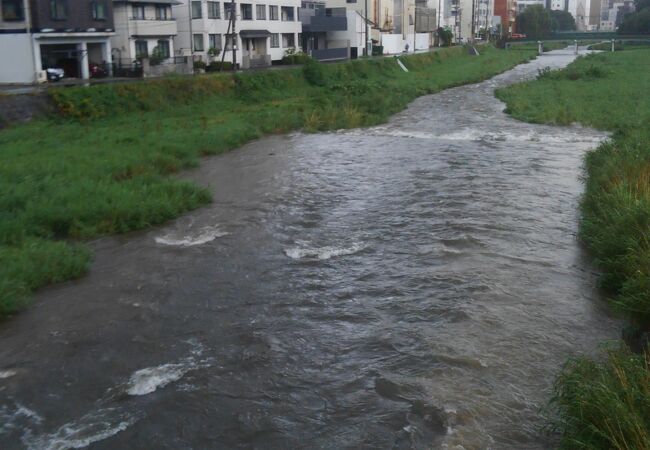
(103, 168)
(606, 404)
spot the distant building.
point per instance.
(264, 32)
(319, 25)
(141, 27)
(39, 34)
(506, 10)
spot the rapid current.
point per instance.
(417, 284)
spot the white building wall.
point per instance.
(206, 26)
(16, 54)
(354, 34)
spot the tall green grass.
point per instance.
(102, 164)
(606, 404)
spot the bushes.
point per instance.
(605, 404)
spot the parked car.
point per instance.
(54, 73)
(518, 36)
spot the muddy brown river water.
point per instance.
(413, 285)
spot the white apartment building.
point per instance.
(265, 30)
(142, 26)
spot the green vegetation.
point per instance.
(535, 22)
(639, 20)
(606, 405)
(102, 166)
(562, 21)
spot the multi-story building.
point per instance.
(506, 10)
(40, 34)
(264, 30)
(143, 28)
(319, 27)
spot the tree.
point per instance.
(562, 21)
(534, 22)
(445, 35)
(639, 21)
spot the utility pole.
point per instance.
(233, 15)
(415, 26)
(438, 24)
(473, 20)
(367, 38)
(189, 6)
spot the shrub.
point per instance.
(314, 73)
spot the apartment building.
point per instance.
(38, 34)
(144, 29)
(264, 30)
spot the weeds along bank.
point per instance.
(606, 404)
(102, 165)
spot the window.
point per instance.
(13, 10)
(98, 9)
(215, 41)
(275, 40)
(246, 11)
(351, 1)
(196, 10)
(59, 9)
(287, 14)
(163, 48)
(260, 12)
(288, 40)
(227, 7)
(273, 12)
(163, 12)
(214, 11)
(141, 49)
(138, 12)
(198, 43)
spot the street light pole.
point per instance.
(438, 24)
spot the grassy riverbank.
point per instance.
(102, 166)
(606, 404)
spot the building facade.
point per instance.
(265, 30)
(40, 34)
(144, 29)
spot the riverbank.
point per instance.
(103, 165)
(604, 404)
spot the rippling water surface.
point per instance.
(412, 285)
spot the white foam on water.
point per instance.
(92, 427)
(146, 381)
(322, 253)
(7, 373)
(203, 237)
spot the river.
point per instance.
(412, 285)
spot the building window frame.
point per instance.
(141, 49)
(98, 10)
(288, 40)
(275, 40)
(137, 12)
(288, 14)
(214, 41)
(163, 12)
(246, 11)
(164, 48)
(197, 9)
(214, 10)
(198, 42)
(273, 12)
(17, 8)
(260, 12)
(59, 9)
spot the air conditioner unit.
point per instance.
(41, 76)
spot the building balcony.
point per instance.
(153, 27)
(332, 19)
